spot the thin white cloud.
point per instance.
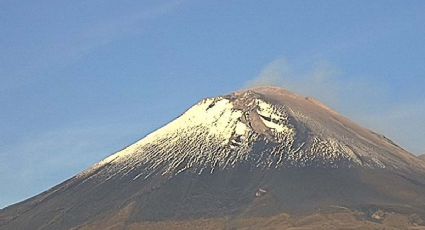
(68, 47)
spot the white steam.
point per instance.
(357, 98)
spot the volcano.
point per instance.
(253, 159)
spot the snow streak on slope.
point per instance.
(209, 128)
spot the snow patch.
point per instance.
(273, 118)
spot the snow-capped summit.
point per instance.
(261, 127)
(257, 153)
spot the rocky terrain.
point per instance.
(258, 158)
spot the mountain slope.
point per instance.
(258, 153)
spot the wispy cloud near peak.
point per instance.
(358, 98)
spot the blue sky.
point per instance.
(83, 79)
